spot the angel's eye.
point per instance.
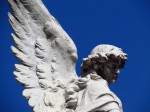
(113, 67)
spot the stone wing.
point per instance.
(47, 53)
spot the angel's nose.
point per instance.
(118, 71)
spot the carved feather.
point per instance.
(47, 53)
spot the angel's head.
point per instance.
(105, 60)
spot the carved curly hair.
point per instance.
(102, 54)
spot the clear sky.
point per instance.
(123, 23)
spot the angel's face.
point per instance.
(108, 71)
(111, 72)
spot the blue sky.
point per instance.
(123, 23)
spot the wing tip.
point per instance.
(13, 36)
(13, 48)
(10, 15)
(16, 74)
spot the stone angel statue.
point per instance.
(48, 57)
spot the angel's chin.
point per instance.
(113, 81)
